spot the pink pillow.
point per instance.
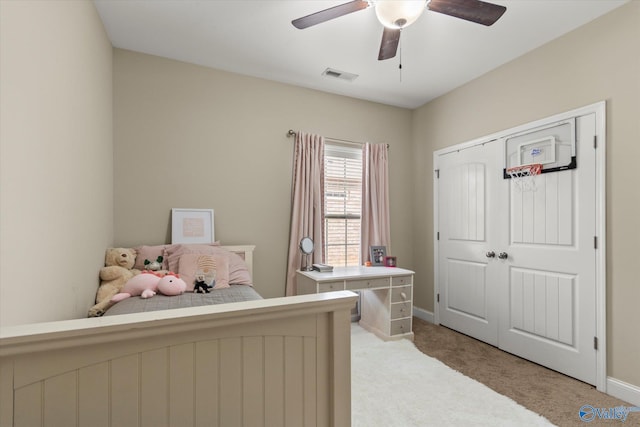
(172, 253)
(212, 267)
(151, 253)
(238, 271)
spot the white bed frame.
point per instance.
(271, 362)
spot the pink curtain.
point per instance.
(375, 199)
(307, 206)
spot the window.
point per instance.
(342, 204)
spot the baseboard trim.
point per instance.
(423, 314)
(623, 391)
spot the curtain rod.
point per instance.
(292, 132)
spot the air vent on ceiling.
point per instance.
(337, 74)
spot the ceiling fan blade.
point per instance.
(476, 11)
(328, 14)
(389, 45)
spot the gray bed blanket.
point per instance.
(235, 293)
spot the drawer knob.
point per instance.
(403, 295)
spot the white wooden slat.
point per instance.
(565, 207)
(230, 396)
(207, 392)
(28, 406)
(125, 391)
(516, 213)
(566, 298)
(274, 381)
(528, 299)
(527, 216)
(93, 395)
(553, 307)
(455, 204)
(540, 210)
(540, 305)
(154, 405)
(6, 393)
(472, 202)
(480, 203)
(60, 400)
(517, 300)
(464, 198)
(551, 202)
(181, 385)
(253, 390)
(309, 378)
(293, 357)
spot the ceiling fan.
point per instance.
(398, 14)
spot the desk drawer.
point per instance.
(401, 281)
(402, 326)
(331, 286)
(400, 310)
(368, 283)
(401, 294)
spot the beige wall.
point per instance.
(56, 158)
(193, 137)
(599, 61)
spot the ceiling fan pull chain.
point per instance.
(400, 65)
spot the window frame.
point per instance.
(348, 152)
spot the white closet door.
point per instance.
(548, 311)
(467, 277)
(517, 269)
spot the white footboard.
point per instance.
(273, 362)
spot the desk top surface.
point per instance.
(341, 273)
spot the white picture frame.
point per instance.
(192, 226)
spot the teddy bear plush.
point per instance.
(117, 271)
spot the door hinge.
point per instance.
(437, 173)
(437, 297)
(595, 141)
(595, 343)
(595, 242)
(438, 235)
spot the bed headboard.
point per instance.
(245, 252)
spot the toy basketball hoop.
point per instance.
(524, 176)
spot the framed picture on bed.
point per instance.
(192, 226)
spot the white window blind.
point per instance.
(343, 204)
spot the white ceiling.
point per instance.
(256, 38)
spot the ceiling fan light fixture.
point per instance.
(397, 14)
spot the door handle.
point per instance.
(503, 255)
(490, 254)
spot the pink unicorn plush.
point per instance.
(147, 283)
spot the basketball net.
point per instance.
(524, 177)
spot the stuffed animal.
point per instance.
(153, 265)
(171, 285)
(200, 285)
(148, 283)
(117, 271)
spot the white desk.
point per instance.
(387, 292)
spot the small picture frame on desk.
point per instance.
(377, 255)
(390, 261)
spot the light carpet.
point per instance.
(394, 384)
